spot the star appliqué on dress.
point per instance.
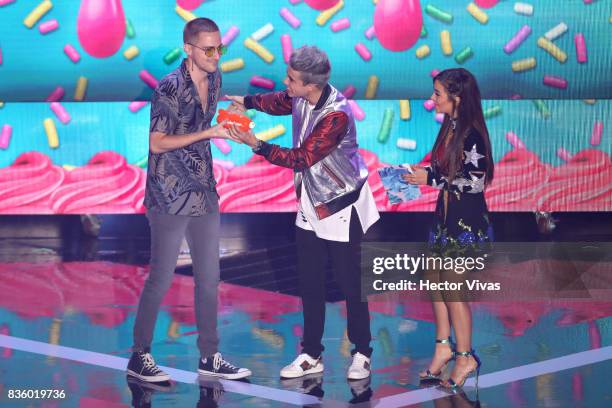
(472, 156)
(477, 183)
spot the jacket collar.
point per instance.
(323, 97)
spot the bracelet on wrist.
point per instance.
(257, 146)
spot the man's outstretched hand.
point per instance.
(237, 104)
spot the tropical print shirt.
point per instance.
(181, 181)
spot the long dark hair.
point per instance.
(461, 83)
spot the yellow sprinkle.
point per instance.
(372, 87)
(37, 13)
(271, 133)
(1, 104)
(404, 109)
(54, 331)
(51, 132)
(326, 15)
(185, 15)
(259, 49)
(477, 13)
(173, 330)
(69, 167)
(422, 51)
(524, 64)
(79, 92)
(589, 101)
(232, 65)
(445, 40)
(131, 52)
(552, 49)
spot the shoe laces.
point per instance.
(149, 363)
(218, 361)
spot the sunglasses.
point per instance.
(210, 51)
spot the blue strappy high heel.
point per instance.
(429, 376)
(452, 385)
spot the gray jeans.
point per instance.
(167, 232)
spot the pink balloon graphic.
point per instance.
(398, 23)
(189, 4)
(486, 3)
(321, 4)
(101, 27)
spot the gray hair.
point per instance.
(313, 65)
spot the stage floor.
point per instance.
(68, 326)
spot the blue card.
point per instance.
(397, 189)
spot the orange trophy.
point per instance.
(243, 122)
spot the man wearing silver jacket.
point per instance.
(335, 203)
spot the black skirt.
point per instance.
(461, 225)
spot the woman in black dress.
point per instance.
(461, 167)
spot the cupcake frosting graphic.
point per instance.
(106, 184)
(220, 170)
(584, 183)
(257, 186)
(519, 175)
(378, 190)
(26, 185)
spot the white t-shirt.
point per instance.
(335, 227)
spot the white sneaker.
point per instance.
(360, 368)
(302, 365)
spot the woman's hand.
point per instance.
(417, 177)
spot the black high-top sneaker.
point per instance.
(216, 366)
(143, 367)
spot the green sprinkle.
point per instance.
(492, 111)
(172, 56)
(385, 127)
(464, 55)
(384, 339)
(250, 113)
(542, 108)
(423, 32)
(142, 163)
(129, 29)
(439, 14)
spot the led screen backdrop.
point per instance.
(34, 64)
(551, 145)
